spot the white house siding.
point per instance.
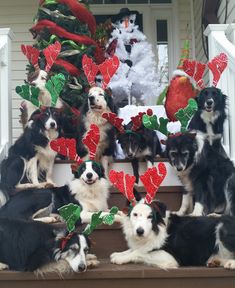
(18, 15)
(230, 11)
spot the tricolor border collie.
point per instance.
(97, 103)
(206, 174)
(30, 159)
(40, 247)
(158, 238)
(208, 121)
(89, 189)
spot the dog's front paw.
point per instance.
(178, 213)
(168, 265)
(3, 266)
(118, 258)
(50, 184)
(213, 262)
(92, 261)
(230, 264)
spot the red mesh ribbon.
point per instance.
(124, 183)
(51, 53)
(90, 69)
(217, 66)
(66, 147)
(108, 68)
(114, 120)
(92, 140)
(32, 54)
(195, 70)
(152, 179)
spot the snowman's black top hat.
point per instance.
(123, 13)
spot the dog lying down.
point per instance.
(159, 238)
(40, 247)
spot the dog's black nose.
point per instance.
(81, 267)
(52, 124)
(89, 175)
(92, 100)
(140, 231)
(179, 169)
(130, 155)
(209, 102)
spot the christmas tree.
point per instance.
(64, 30)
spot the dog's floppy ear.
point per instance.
(159, 207)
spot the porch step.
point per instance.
(125, 276)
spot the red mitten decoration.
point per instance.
(217, 66)
(92, 140)
(108, 69)
(152, 179)
(195, 70)
(66, 147)
(115, 121)
(90, 69)
(124, 183)
(51, 53)
(32, 54)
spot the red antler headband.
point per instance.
(152, 180)
(107, 69)
(50, 53)
(124, 183)
(67, 147)
(196, 69)
(117, 122)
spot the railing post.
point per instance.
(6, 37)
(218, 42)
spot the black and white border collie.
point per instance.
(35, 246)
(158, 238)
(207, 176)
(98, 102)
(208, 121)
(31, 159)
(89, 189)
(142, 144)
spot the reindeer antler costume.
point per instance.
(151, 180)
(67, 147)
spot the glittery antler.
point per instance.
(217, 66)
(137, 121)
(32, 54)
(51, 53)
(152, 180)
(90, 69)
(66, 147)
(92, 140)
(108, 69)
(195, 70)
(114, 120)
(124, 183)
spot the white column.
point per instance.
(218, 43)
(6, 37)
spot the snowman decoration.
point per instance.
(136, 81)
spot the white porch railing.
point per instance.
(5, 91)
(221, 38)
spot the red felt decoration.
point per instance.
(73, 70)
(124, 183)
(90, 69)
(137, 121)
(152, 179)
(51, 53)
(217, 66)
(66, 147)
(32, 54)
(108, 68)
(115, 121)
(149, 112)
(92, 140)
(65, 240)
(195, 70)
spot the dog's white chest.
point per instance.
(209, 119)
